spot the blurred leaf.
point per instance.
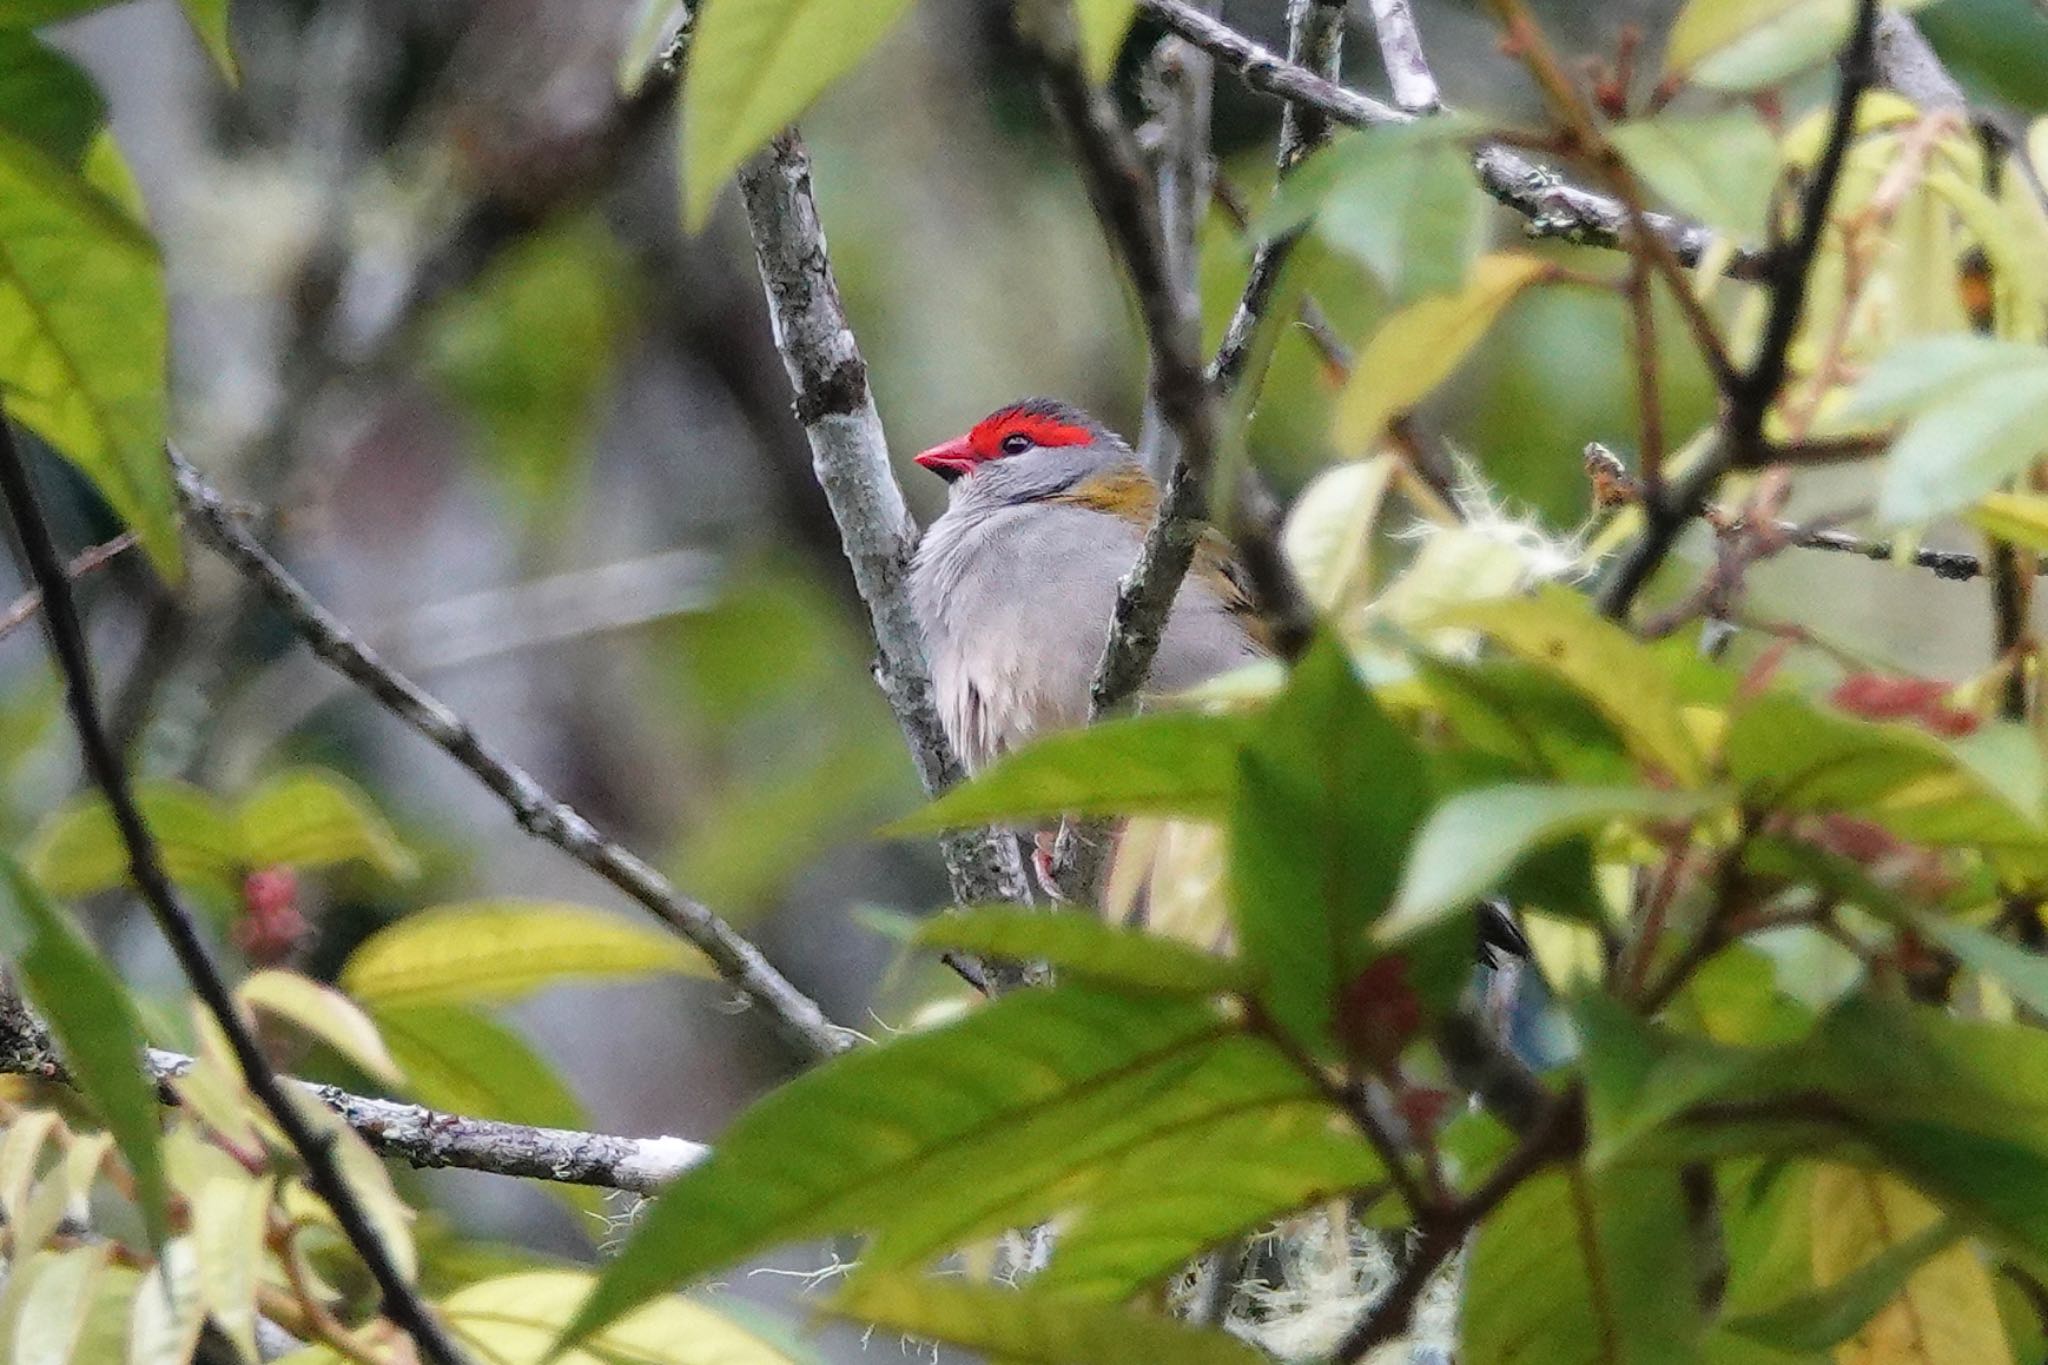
(1744, 44)
(82, 337)
(1330, 793)
(496, 950)
(2023, 973)
(2019, 518)
(77, 851)
(1475, 838)
(35, 13)
(47, 99)
(461, 1061)
(367, 1179)
(1006, 1324)
(1080, 945)
(325, 1014)
(513, 1319)
(941, 1112)
(53, 1303)
(1400, 200)
(94, 1024)
(1328, 539)
(1166, 764)
(1104, 24)
(1818, 1320)
(167, 1313)
(1717, 168)
(310, 817)
(209, 20)
(754, 68)
(1172, 1199)
(1418, 347)
(530, 353)
(1529, 717)
(229, 1219)
(1581, 1268)
(1867, 1226)
(1558, 631)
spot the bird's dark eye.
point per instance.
(1016, 443)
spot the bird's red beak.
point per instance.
(950, 460)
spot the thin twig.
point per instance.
(1414, 84)
(29, 603)
(401, 1303)
(538, 813)
(851, 455)
(423, 1137)
(1552, 207)
(1739, 441)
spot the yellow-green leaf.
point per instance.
(1104, 25)
(1743, 44)
(1717, 168)
(1417, 348)
(167, 1316)
(323, 1012)
(1558, 631)
(1945, 1314)
(82, 338)
(54, 1304)
(228, 1222)
(480, 951)
(755, 66)
(1042, 1329)
(209, 19)
(310, 817)
(368, 1181)
(77, 851)
(2021, 518)
(1329, 534)
(513, 1319)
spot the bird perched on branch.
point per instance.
(1015, 584)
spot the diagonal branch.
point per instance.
(851, 455)
(24, 607)
(1553, 207)
(538, 813)
(401, 1302)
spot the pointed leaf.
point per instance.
(167, 1313)
(77, 851)
(1817, 1321)
(209, 20)
(1417, 348)
(490, 951)
(1033, 1329)
(309, 817)
(228, 1224)
(55, 1304)
(1743, 44)
(512, 1319)
(464, 1062)
(1168, 764)
(754, 68)
(323, 1012)
(94, 1025)
(1080, 945)
(82, 338)
(1954, 452)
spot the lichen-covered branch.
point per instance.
(1552, 206)
(1414, 84)
(538, 812)
(851, 456)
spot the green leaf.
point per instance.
(77, 851)
(1475, 838)
(321, 1012)
(1717, 168)
(1916, 374)
(310, 817)
(1744, 44)
(209, 20)
(1170, 1200)
(1558, 631)
(754, 67)
(1033, 1328)
(496, 950)
(1175, 763)
(529, 354)
(1331, 791)
(463, 1062)
(1080, 945)
(2023, 973)
(1529, 717)
(2019, 518)
(1952, 453)
(82, 338)
(1421, 345)
(1103, 25)
(515, 1317)
(94, 1024)
(36, 13)
(942, 1113)
(53, 1303)
(1816, 1321)
(47, 99)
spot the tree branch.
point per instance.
(401, 1304)
(1740, 440)
(851, 456)
(29, 603)
(1408, 72)
(540, 814)
(425, 1138)
(1553, 207)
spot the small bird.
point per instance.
(1015, 584)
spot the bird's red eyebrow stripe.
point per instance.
(987, 437)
